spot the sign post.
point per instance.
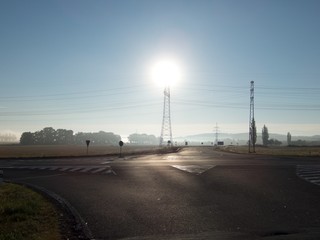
(87, 142)
(120, 144)
(1, 176)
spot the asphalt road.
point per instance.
(196, 193)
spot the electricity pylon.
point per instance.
(166, 132)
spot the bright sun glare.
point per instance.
(166, 73)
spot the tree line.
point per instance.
(143, 139)
(51, 136)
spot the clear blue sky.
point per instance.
(84, 65)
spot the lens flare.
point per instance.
(166, 73)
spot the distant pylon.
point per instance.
(166, 132)
(251, 119)
(217, 133)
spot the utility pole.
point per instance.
(217, 133)
(166, 132)
(251, 119)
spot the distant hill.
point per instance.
(240, 138)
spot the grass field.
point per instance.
(276, 151)
(19, 151)
(25, 214)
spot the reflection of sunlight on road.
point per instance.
(171, 158)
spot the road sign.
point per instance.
(87, 142)
(120, 144)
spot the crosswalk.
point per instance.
(105, 169)
(310, 173)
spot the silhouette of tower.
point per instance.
(251, 119)
(166, 133)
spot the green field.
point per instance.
(25, 214)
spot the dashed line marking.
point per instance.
(82, 169)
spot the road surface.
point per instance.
(197, 193)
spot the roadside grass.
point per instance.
(25, 214)
(276, 151)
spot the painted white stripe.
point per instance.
(312, 177)
(101, 169)
(196, 169)
(75, 169)
(107, 162)
(64, 169)
(88, 169)
(84, 169)
(315, 181)
(310, 173)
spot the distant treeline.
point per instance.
(50, 136)
(143, 139)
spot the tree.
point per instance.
(265, 135)
(27, 138)
(253, 134)
(98, 138)
(289, 138)
(143, 139)
(49, 135)
(274, 142)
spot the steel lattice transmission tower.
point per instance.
(166, 132)
(252, 130)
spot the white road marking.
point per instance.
(310, 173)
(75, 169)
(64, 169)
(195, 169)
(107, 162)
(83, 169)
(101, 169)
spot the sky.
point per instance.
(85, 65)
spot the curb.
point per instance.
(80, 225)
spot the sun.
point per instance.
(166, 73)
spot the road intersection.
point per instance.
(195, 192)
